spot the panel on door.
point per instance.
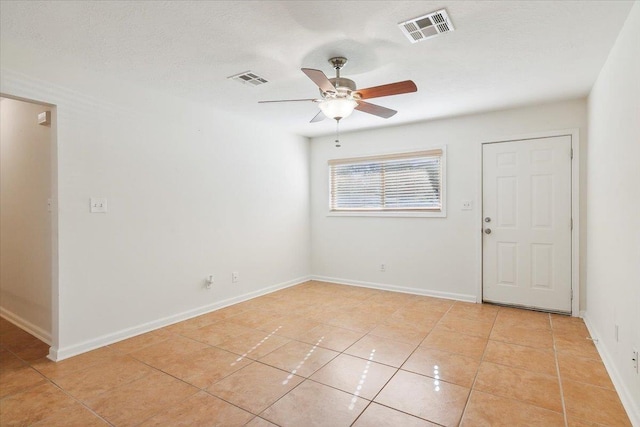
(526, 250)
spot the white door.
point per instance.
(526, 202)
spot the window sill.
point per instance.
(400, 214)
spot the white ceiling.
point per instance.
(502, 54)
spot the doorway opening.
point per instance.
(28, 217)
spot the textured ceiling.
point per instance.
(502, 54)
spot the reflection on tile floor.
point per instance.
(322, 354)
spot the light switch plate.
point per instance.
(98, 205)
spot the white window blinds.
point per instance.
(397, 182)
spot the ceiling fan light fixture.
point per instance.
(338, 108)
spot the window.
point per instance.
(397, 183)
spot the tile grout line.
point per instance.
(255, 415)
(238, 358)
(527, 370)
(475, 377)
(188, 383)
(417, 347)
(297, 385)
(395, 373)
(335, 388)
(399, 368)
(343, 353)
(53, 382)
(204, 390)
(381, 388)
(555, 358)
(87, 407)
(339, 353)
(226, 376)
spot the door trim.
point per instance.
(574, 133)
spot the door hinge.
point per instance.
(571, 224)
(572, 153)
(571, 294)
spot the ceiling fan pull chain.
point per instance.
(338, 134)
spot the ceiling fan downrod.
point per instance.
(337, 63)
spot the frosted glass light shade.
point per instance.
(338, 108)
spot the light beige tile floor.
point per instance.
(327, 355)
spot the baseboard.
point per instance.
(394, 288)
(630, 404)
(25, 325)
(58, 354)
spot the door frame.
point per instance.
(574, 133)
(53, 339)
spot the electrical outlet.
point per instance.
(383, 267)
(209, 281)
(235, 276)
(634, 359)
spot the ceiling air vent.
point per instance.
(249, 78)
(426, 26)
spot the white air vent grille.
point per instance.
(249, 78)
(411, 27)
(426, 26)
(438, 18)
(443, 28)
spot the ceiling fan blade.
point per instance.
(398, 88)
(290, 100)
(320, 79)
(376, 110)
(318, 117)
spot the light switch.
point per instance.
(466, 205)
(98, 205)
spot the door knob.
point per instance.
(487, 230)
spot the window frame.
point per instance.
(436, 213)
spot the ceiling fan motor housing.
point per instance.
(344, 88)
(341, 82)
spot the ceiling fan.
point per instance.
(339, 96)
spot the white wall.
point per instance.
(613, 212)
(25, 223)
(191, 191)
(438, 256)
